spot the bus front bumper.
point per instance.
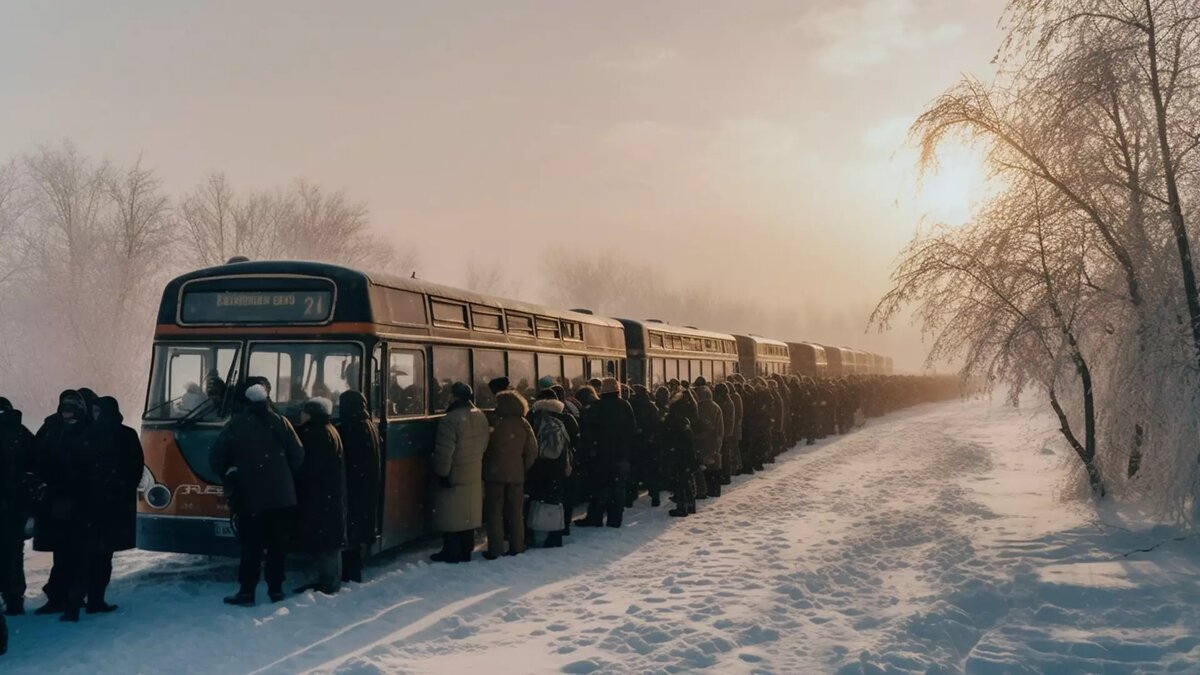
(186, 534)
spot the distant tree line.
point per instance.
(87, 245)
(1077, 276)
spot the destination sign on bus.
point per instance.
(256, 307)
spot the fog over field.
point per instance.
(754, 157)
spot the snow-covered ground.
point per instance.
(929, 541)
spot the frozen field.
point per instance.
(929, 541)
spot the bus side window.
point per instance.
(406, 383)
(450, 365)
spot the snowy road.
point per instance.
(927, 541)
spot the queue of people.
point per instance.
(524, 469)
(76, 481)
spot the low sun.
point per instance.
(950, 192)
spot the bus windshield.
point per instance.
(298, 371)
(189, 380)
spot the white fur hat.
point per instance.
(318, 404)
(257, 393)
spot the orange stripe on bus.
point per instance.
(167, 329)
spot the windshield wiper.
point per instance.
(161, 405)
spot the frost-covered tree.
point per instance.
(1094, 118)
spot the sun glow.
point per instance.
(950, 192)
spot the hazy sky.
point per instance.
(750, 143)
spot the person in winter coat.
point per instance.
(609, 429)
(457, 463)
(363, 454)
(709, 436)
(258, 455)
(662, 401)
(729, 443)
(644, 462)
(16, 462)
(511, 451)
(57, 521)
(548, 480)
(679, 456)
(321, 496)
(112, 460)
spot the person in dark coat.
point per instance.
(16, 462)
(729, 418)
(363, 453)
(511, 451)
(112, 468)
(679, 456)
(59, 467)
(549, 479)
(662, 481)
(321, 496)
(258, 455)
(708, 437)
(644, 461)
(609, 429)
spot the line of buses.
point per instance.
(315, 329)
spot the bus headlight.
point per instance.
(158, 496)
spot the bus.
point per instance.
(313, 329)
(808, 359)
(657, 352)
(762, 356)
(838, 361)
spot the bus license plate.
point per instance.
(223, 529)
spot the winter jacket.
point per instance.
(512, 447)
(546, 479)
(739, 412)
(321, 488)
(609, 430)
(711, 432)
(678, 444)
(462, 439)
(362, 448)
(114, 459)
(646, 414)
(58, 464)
(16, 460)
(263, 448)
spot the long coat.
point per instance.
(678, 445)
(266, 452)
(114, 459)
(363, 448)
(512, 448)
(321, 488)
(729, 417)
(58, 465)
(462, 438)
(711, 432)
(16, 459)
(609, 430)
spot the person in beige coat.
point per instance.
(512, 450)
(457, 462)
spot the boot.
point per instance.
(51, 607)
(70, 615)
(3, 635)
(655, 500)
(449, 552)
(275, 595)
(241, 599)
(100, 608)
(691, 507)
(678, 512)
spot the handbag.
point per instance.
(545, 517)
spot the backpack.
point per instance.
(552, 438)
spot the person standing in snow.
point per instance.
(457, 463)
(363, 451)
(58, 467)
(644, 463)
(112, 458)
(548, 479)
(679, 456)
(708, 438)
(730, 422)
(16, 462)
(257, 455)
(321, 496)
(511, 451)
(609, 428)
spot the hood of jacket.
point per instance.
(511, 404)
(703, 394)
(548, 405)
(352, 405)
